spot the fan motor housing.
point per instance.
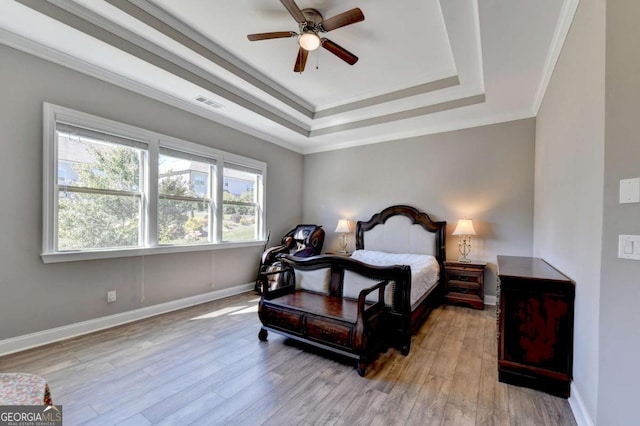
(312, 16)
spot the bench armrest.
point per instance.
(363, 322)
(288, 287)
(364, 292)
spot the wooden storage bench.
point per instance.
(315, 304)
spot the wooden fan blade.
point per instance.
(268, 36)
(301, 60)
(294, 10)
(339, 51)
(346, 18)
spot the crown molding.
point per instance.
(166, 23)
(88, 22)
(452, 125)
(565, 20)
(101, 28)
(419, 89)
(44, 52)
(85, 20)
(291, 132)
(401, 115)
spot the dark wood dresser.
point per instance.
(535, 325)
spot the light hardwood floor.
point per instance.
(204, 365)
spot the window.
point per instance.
(240, 206)
(114, 190)
(99, 190)
(184, 206)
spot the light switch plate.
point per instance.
(630, 191)
(629, 247)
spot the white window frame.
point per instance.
(126, 140)
(200, 151)
(259, 192)
(54, 113)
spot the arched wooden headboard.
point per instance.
(402, 229)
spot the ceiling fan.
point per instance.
(310, 23)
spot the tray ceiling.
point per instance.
(425, 67)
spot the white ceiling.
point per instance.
(425, 66)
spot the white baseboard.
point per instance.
(577, 407)
(28, 341)
(489, 300)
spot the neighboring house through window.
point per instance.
(241, 209)
(184, 206)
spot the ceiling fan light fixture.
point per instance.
(310, 23)
(309, 41)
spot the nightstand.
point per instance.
(464, 283)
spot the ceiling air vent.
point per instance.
(209, 102)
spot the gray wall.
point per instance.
(569, 183)
(620, 289)
(35, 296)
(484, 173)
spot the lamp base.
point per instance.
(343, 242)
(464, 248)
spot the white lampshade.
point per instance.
(344, 227)
(309, 41)
(464, 227)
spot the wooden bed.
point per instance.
(404, 229)
(396, 234)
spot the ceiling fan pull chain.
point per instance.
(317, 60)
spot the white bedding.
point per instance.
(425, 269)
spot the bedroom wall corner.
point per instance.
(569, 174)
(485, 173)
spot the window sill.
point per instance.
(74, 256)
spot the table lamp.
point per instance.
(344, 229)
(464, 230)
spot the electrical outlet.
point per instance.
(111, 296)
(630, 191)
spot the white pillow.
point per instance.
(316, 280)
(353, 283)
(381, 258)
